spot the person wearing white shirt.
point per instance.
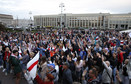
(6, 43)
(78, 65)
(56, 66)
(107, 73)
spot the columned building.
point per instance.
(95, 20)
(6, 20)
(119, 21)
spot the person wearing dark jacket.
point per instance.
(125, 72)
(125, 51)
(113, 61)
(72, 65)
(25, 60)
(16, 65)
(67, 75)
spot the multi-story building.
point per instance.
(6, 19)
(96, 20)
(119, 21)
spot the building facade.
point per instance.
(96, 20)
(6, 19)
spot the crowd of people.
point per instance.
(68, 56)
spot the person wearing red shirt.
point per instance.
(120, 57)
(6, 55)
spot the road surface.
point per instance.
(9, 79)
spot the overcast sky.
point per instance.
(21, 8)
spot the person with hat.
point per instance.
(53, 71)
(67, 75)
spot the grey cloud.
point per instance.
(21, 8)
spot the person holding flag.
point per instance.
(32, 68)
(31, 73)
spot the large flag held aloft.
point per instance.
(32, 66)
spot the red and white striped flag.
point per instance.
(32, 66)
(20, 52)
(121, 42)
(97, 38)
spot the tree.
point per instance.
(2, 27)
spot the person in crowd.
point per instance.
(106, 53)
(42, 51)
(79, 66)
(120, 58)
(82, 53)
(113, 62)
(125, 51)
(125, 72)
(97, 48)
(56, 66)
(107, 73)
(31, 54)
(43, 68)
(67, 75)
(53, 71)
(48, 79)
(92, 78)
(25, 59)
(6, 43)
(6, 58)
(16, 66)
(72, 65)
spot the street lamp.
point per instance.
(30, 24)
(61, 6)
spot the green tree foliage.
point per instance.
(2, 27)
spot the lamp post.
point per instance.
(30, 25)
(61, 6)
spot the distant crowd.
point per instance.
(68, 56)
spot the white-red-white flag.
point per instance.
(97, 38)
(32, 66)
(20, 52)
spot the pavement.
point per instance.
(9, 79)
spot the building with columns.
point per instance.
(94, 20)
(6, 20)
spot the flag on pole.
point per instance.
(32, 66)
